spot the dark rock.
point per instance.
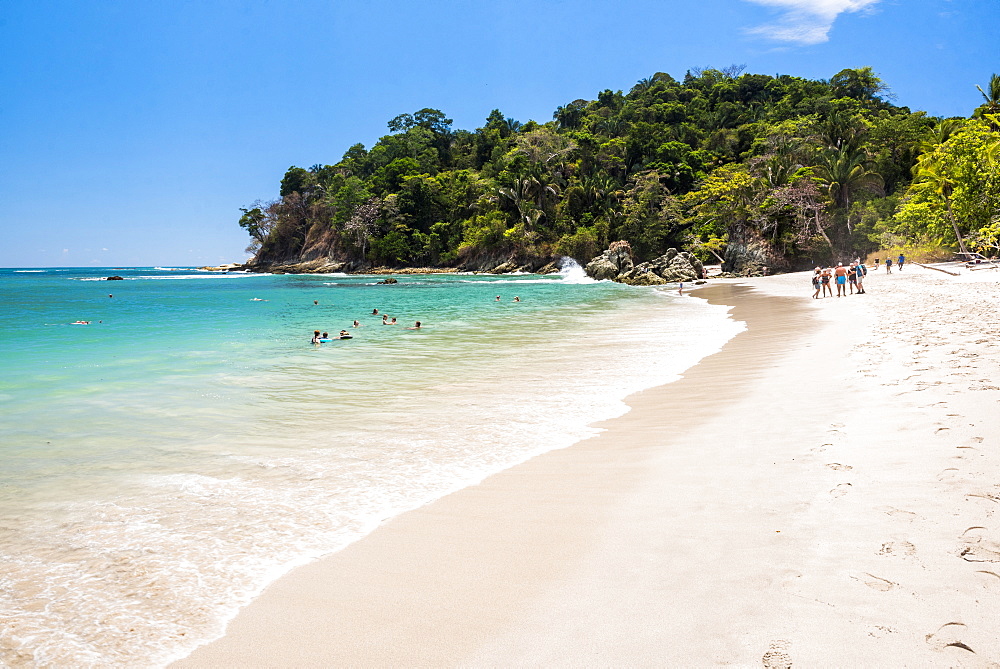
(390, 280)
(114, 278)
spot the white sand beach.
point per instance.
(822, 492)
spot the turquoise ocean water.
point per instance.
(161, 465)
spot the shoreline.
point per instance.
(741, 514)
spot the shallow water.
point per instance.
(164, 463)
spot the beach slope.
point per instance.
(823, 491)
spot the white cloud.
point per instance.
(806, 21)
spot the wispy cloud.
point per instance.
(806, 21)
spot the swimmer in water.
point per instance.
(385, 319)
(344, 334)
(374, 312)
(392, 322)
(498, 298)
(326, 335)
(416, 326)
(315, 301)
(316, 337)
(357, 324)
(80, 323)
(517, 299)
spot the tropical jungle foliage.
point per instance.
(743, 167)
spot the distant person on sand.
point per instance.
(680, 289)
(840, 275)
(817, 283)
(862, 272)
(824, 277)
(901, 259)
(316, 337)
(876, 264)
(888, 265)
(852, 277)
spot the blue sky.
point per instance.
(132, 132)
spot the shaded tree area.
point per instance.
(755, 169)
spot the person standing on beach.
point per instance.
(876, 264)
(840, 275)
(861, 271)
(817, 283)
(901, 262)
(888, 265)
(852, 277)
(824, 278)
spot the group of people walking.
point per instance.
(851, 278)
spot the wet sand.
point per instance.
(823, 491)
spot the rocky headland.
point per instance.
(616, 264)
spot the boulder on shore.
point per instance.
(611, 264)
(673, 266)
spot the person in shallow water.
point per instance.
(498, 299)
(374, 312)
(385, 319)
(517, 299)
(416, 326)
(345, 333)
(316, 337)
(357, 324)
(326, 335)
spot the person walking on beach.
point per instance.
(876, 264)
(901, 262)
(817, 283)
(888, 265)
(824, 278)
(840, 275)
(862, 271)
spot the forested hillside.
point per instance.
(753, 169)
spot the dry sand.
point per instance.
(822, 492)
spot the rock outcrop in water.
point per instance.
(616, 264)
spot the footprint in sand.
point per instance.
(875, 582)
(948, 473)
(841, 490)
(879, 631)
(901, 548)
(899, 513)
(837, 467)
(989, 579)
(777, 656)
(978, 546)
(816, 450)
(948, 635)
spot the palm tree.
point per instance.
(845, 171)
(933, 176)
(991, 104)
